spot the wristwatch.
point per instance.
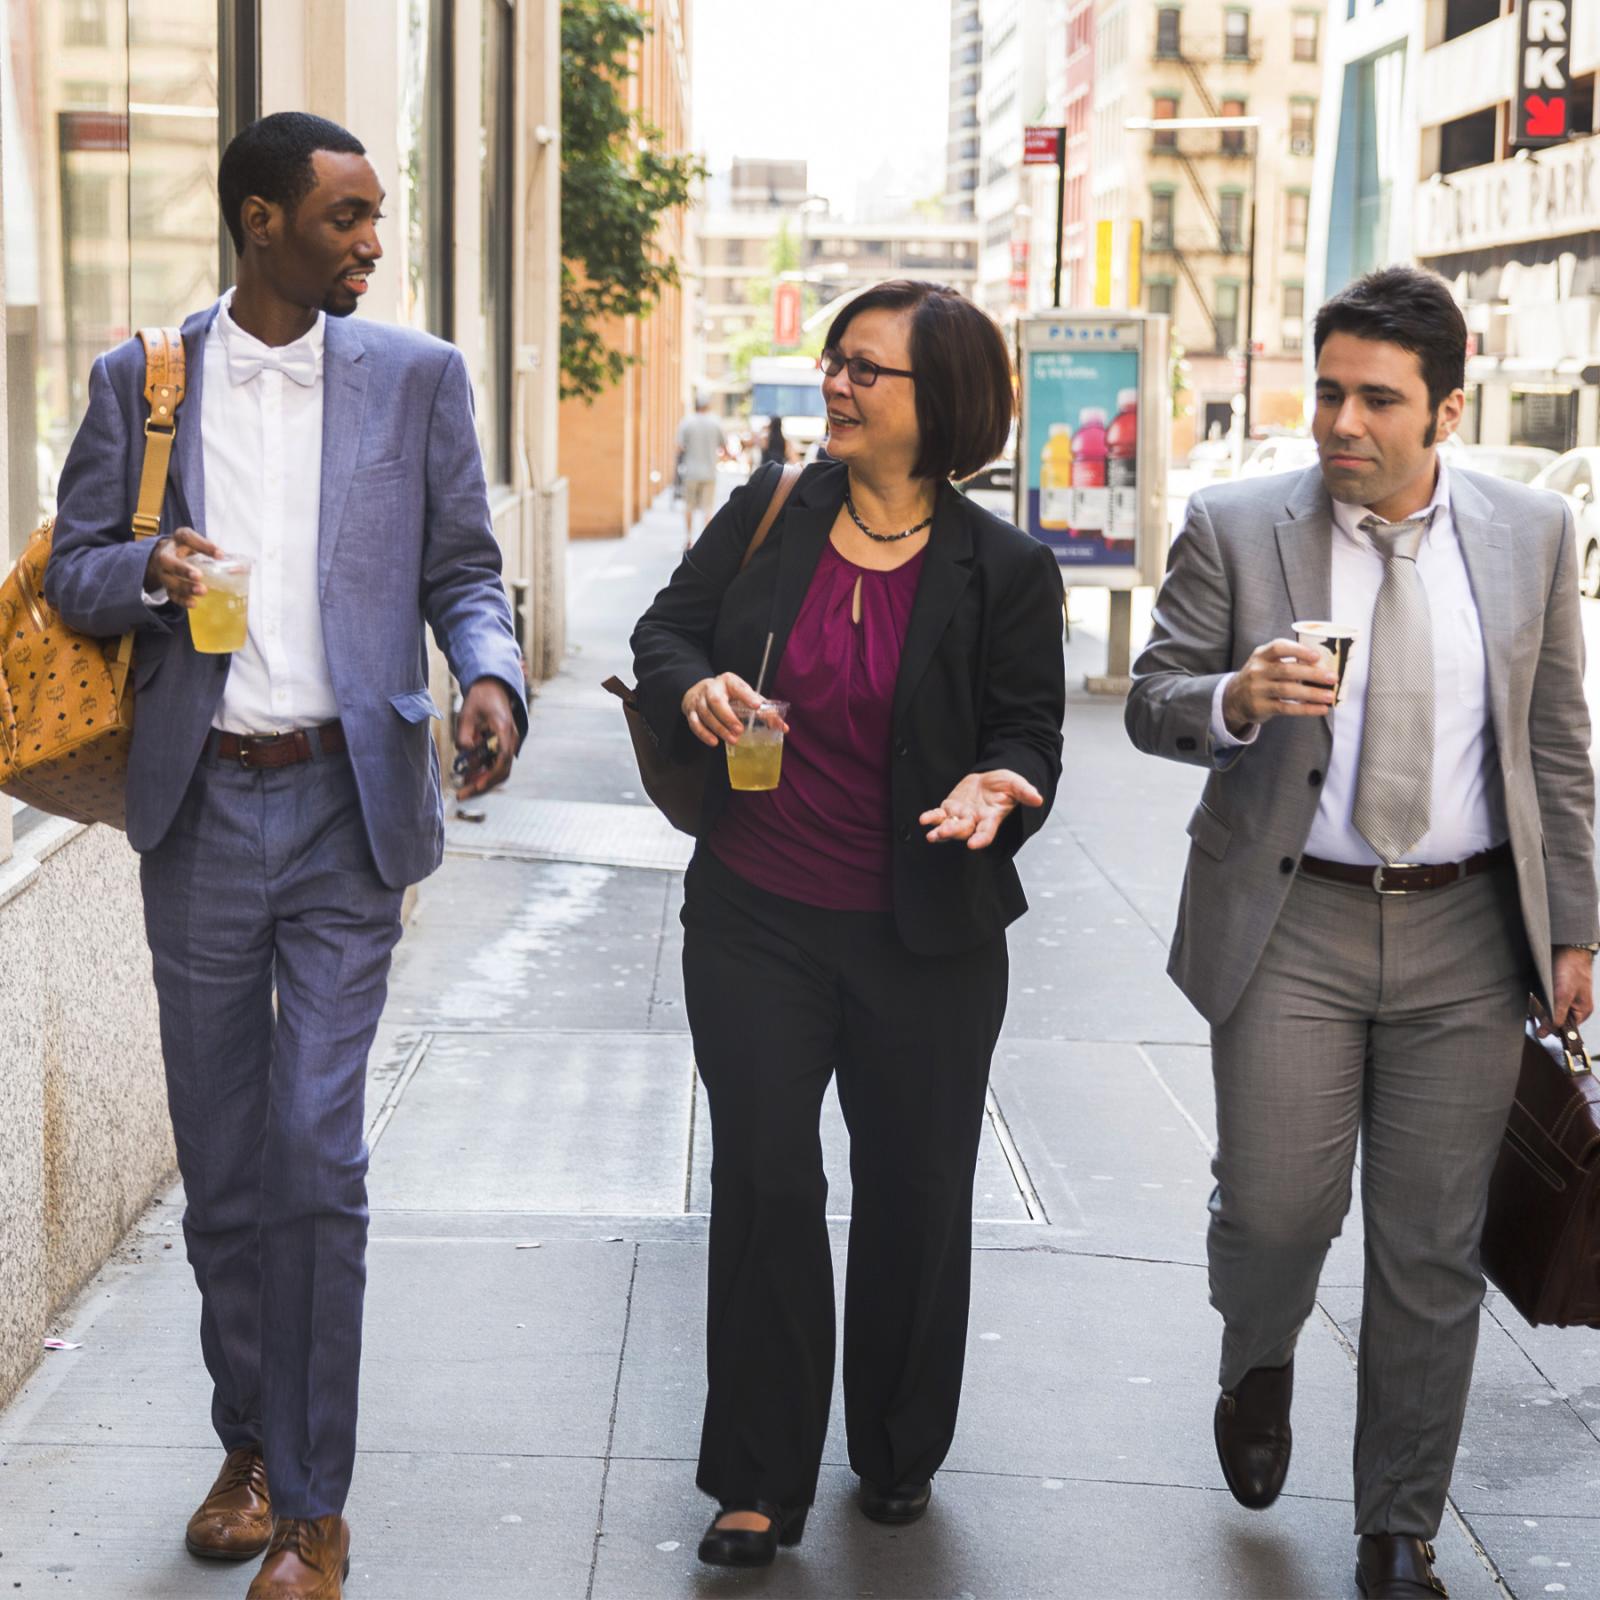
(1593, 947)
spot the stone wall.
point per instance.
(84, 1136)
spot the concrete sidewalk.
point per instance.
(533, 1370)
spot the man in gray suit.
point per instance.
(283, 796)
(1374, 886)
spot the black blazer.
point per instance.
(982, 683)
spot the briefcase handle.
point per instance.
(1564, 1046)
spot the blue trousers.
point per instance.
(265, 885)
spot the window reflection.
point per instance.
(494, 154)
(110, 150)
(425, 177)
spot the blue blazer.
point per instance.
(404, 541)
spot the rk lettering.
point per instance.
(1541, 69)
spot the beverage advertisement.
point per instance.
(1082, 454)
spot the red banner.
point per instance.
(786, 316)
(1042, 147)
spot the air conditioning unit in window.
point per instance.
(1301, 147)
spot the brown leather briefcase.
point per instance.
(1541, 1242)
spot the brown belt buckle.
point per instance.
(1377, 878)
(247, 750)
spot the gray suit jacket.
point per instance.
(404, 540)
(1256, 555)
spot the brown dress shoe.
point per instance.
(308, 1559)
(234, 1521)
(1253, 1435)
(1394, 1566)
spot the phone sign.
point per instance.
(1544, 74)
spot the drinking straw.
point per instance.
(761, 675)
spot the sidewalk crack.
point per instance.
(661, 945)
(611, 1428)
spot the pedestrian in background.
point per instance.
(1377, 879)
(282, 797)
(777, 446)
(700, 447)
(851, 922)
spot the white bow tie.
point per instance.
(297, 361)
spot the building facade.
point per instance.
(962, 165)
(837, 259)
(1012, 96)
(618, 452)
(1517, 234)
(1368, 145)
(115, 112)
(1199, 195)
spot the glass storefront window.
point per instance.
(495, 134)
(422, 216)
(110, 154)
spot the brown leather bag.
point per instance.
(676, 784)
(66, 703)
(1541, 1242)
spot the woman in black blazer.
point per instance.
(852, 921)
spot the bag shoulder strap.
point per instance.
(787, 479)
(165, 384)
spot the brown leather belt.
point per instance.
(1403, 879)
(278, 749)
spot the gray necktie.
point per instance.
(1394, 784)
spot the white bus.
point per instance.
(789, 387)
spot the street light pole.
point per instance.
(1250, 282)
(1061, 212)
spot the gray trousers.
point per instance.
(1399, 1018)
(265, 883)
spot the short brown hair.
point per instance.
(965, 398)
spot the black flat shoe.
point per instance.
(1254, 1439)
(901, 1504)
(744, 1547)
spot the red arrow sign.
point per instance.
(1547, 119)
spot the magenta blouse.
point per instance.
(823, 835)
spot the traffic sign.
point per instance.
(1043, 147)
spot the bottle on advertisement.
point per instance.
(1090, 498)
(1122, 469)
(1055, 479)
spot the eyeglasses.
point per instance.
(863, 373)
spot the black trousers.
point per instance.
(781, 996)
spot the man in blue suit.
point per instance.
(283, 796)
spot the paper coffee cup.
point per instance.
(1336, 640)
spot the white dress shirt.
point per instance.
(261, 432)
(1468, 806)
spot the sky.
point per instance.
(844, 84)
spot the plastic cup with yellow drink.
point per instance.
(756, 761)
(219, 619)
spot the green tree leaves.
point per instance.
(616, 185)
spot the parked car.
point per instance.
(1283, 452)
(1521, 463)
(1211, 459)
(1574, 477)
(993, 488)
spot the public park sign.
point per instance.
(1509, 202)
(1544, 74)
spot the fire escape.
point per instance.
(1185, 148)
